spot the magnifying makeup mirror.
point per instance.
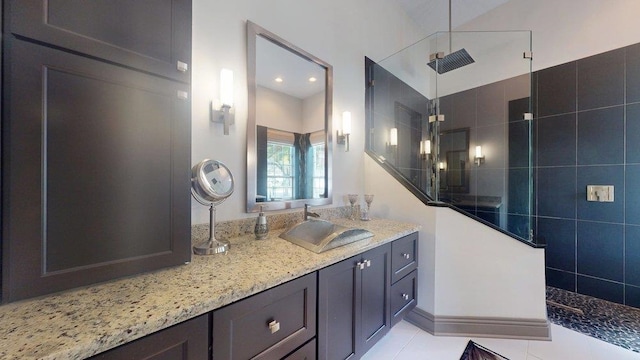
(211, 184)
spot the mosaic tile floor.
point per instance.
(614, 323)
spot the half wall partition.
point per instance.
(451, 115)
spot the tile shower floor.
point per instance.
(607, 321)
(582, 328)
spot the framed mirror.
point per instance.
(455, 172)
(288, 125)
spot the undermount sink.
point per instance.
(321, 235)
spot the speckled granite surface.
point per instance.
(79, 323)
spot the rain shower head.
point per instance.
(455, 60)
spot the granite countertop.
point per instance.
(83, 322)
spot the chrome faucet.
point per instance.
(307, 212)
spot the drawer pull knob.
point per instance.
(406, 256)
(405, 297)
(368, 262)
(360, 265)
(274, 326)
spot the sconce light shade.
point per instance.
(346, 122)
(425, 147)
(441, 165)
(479, 157)
(343, 138)
(224, 114)
(393, 137)
(226, 87)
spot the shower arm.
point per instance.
(450, 27)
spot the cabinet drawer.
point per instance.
(268, 325)
(148, 35)
(403, 296)
(404, 256)
(186, 341)
(307, 352)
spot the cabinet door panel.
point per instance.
(96, 172)
(186, 341)
(307, 352)
(339, 320)
(404, 256)
(242, 331)
(404, 296)
(376, 281)
(149, 35)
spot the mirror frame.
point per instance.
(463, 188)
(253, 31)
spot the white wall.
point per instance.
(278, 110)
(339, 32)
(313, 113)
(483, 273)
(466, 269)
(566, 30)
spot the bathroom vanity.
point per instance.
(181, 310)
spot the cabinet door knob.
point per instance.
(368, 262)
(405, 297)
(360, 265)
(406, 256)
(274, 326)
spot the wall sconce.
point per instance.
(425, 149)
(343, 139)
(479, 158)
(223, 112)
(392, 145)
(442, 165)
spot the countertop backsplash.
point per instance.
(241, 227)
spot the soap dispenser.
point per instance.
(262, 228)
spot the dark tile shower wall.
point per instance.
(588, 133)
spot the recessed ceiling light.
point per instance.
(279, 79)
(312, 79)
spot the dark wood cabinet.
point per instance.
(404, 296)
(353, 304)
(96, 150)
(269, 325)
(307, 352)
(404, 276)
(404, 256)
(152, 36)
(186, 341)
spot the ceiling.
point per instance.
(430, 15)
(433, 15)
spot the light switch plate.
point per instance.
(600, 193)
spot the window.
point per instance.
(280, 171)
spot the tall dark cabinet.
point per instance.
(96, 141)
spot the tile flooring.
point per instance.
(407, 342)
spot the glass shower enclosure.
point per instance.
(452, 115)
